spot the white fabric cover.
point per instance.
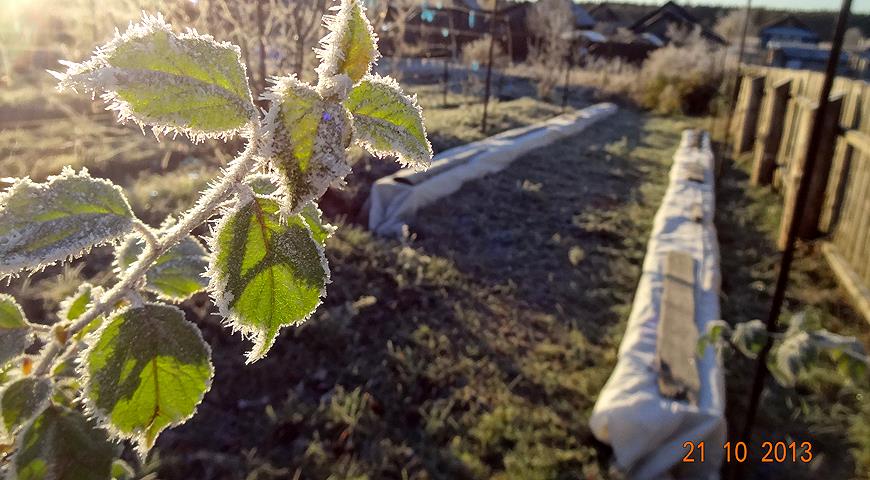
(395, 199)
(646, 430)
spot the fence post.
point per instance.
(750, 101)
(822, 171)
(809, 221)
(770, 134)
(841, 162)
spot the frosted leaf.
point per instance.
(350, 47)
(749, 337)
(186, 82)
(77, 304)
(14, 329)
(175, 275)
(265, 272)
(263, 184)
(121, 470)
(716, 331)
(847, 353)
(22, 400)
(60, 444)
(320, 230)
(388, 122)
(146, 370)
(792, 357)
(308, 141)
(42, 223)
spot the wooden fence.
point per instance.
(773, 119)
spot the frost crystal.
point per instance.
(307, 140)
(42, 223)
(265, 272)
(187, 83)
(388, 122)
(350, 47)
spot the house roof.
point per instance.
(788, 21)
(671, 13)
(603, 13)
(582, 19)
(669, 7)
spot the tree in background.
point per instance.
(730, 25)
(853, 39)
(549, 22)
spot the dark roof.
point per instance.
(582, 19)
(669, 7)
(603, 13)
(788, 21)
(674, 14)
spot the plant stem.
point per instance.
(196, 216)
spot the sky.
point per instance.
(858, 6)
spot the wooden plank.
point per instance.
(851, 226)
(791, 128)
(677, 331)
(858, 140)
(809, 227)
(769, 144)
(842, 160)
(793, 171)
(750, 104)
(859, 294)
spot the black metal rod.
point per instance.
(446, 78)
(800, 203)
(489, 64)
(565, 86)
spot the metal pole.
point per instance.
(489, 65)
(735, 92)
(567, 77)
(446, 78)
(800, 203)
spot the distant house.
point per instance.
(607, 21)
(788, 29)
(658, 23)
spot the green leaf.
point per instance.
(176, 275)
(42, 223)
(22, 400)
(14, 329)
(73, 307)
(388, 122)
(716, 330)
(265, 273)
(309, 137)
(147, 370)
(350, 47)
(846, 352)
(320, 230)
(60, 444)
(121, 470)
(749, 337)
(263, 184)
(77, 304)
(186, 82)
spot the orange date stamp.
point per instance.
(739, 452)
